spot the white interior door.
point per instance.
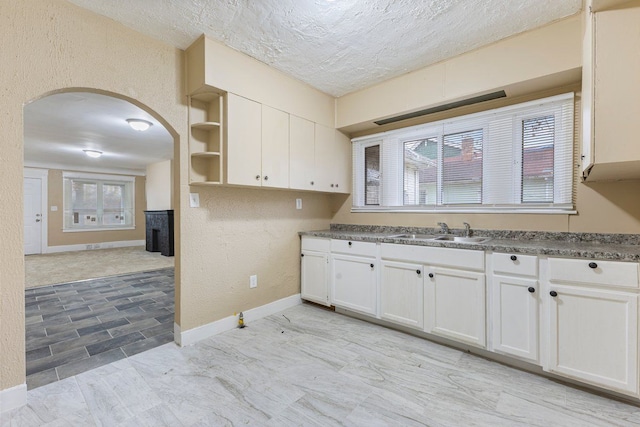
(32, 216)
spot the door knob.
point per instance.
(257, 177)
(37, 220)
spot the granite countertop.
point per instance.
(620, 247)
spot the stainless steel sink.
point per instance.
(462, 239)
(412, 236)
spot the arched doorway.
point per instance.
(101, 306)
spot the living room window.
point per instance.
(513, 159)
(98, 202)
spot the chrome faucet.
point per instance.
(467, 229)
(444, 228)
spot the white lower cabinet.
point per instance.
(314, 280)
(354, 283)
(402, 293)
(594, 336)
(454, 305)
(514, 316)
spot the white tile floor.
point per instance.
(313, 368)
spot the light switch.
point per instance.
(54, 209)
(194, 200)
(298, 203)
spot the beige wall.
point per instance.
(532, 61)
(56, 237)
(54, 45)
(51, 45)
(159, 186)
(245, 232)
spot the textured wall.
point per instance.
(159, 186)
(56, 237)
(49, 45)
(243, 232)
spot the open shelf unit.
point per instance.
(205, 137)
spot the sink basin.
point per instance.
(462, 239)
(412, 236)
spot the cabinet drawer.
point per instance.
(521, 265)
(467, 259)
(352, 247)
(594, 272)
(315, 244)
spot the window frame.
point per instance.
(128, 183)
(392, 197)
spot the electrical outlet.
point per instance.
(298, 203)
(253, 281)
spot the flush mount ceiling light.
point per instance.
(93, 153)
(139, 125)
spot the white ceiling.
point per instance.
(337, 46)
(57, 128)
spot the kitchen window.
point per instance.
(94, 202)
(513, 159)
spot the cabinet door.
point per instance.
(314, 283)
(402, 294)
(353, 283)
(514, 313)
(594, 336)
(455, 305)
(275, 148)
(617, 93)
(302, 154)
(244, 141)
(342, 161)
(325, 160)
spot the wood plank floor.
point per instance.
(311, 367)
(74, 327)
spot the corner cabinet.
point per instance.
(206, 138)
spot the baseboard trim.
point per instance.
(92, 246)
(13, 398)
(191, 336)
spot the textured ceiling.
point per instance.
(342, 45)
(57, 128)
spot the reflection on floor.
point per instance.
(310, 367)
(74, 327)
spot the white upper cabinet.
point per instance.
(275, 148)
(332, 160)
(611, 94)
(243, 141)
(301, 152)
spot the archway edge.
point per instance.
(141, 105)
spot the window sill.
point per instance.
(441, 210)
(82, 230)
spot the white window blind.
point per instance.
(97, 201)
(513, 158)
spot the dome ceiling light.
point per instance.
(139, 124)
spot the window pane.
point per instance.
(112, 204)
(420, 171)
(372, 175)
(462, 168)
(537, 159)
(84, 202)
